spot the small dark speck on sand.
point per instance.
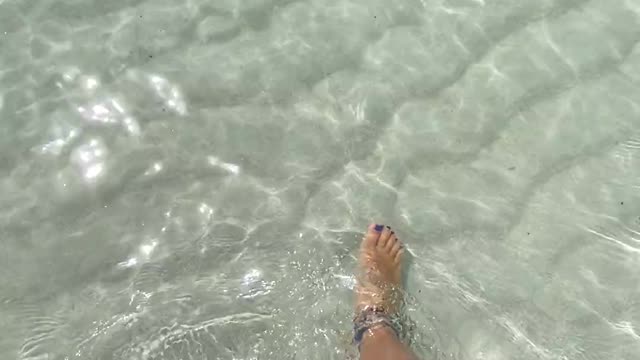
(621, 202)
(512, 168)
(528, 233)
(150, 56)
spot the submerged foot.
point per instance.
(379, 271)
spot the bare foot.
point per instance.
(380, 272)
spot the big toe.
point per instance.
(371, 237)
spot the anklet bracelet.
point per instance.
(369, 318)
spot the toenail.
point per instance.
(379, 227)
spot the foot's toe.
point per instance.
(372, 236)
(399, 255)
(384, 238)
(395, 248)
(391, 242)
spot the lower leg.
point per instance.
(382, 344)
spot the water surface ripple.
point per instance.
(188, 180)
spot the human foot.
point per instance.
(379, 271)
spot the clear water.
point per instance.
(188, 180)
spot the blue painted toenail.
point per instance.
(379, 227)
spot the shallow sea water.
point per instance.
(189, 180)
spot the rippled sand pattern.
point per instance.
(188, 180)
